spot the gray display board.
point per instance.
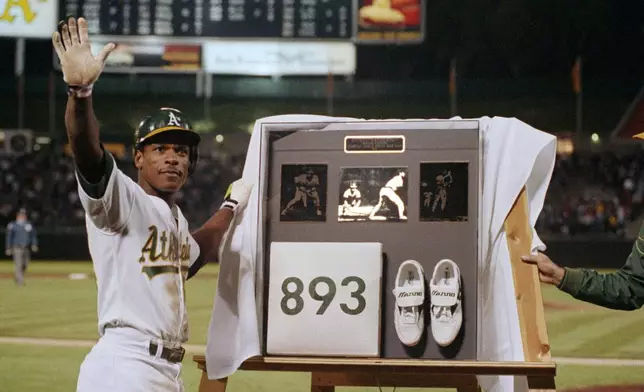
(432, 169)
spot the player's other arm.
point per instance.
(210, 235)
(620, 290)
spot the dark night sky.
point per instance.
(489, 38)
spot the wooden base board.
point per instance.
(328, 373)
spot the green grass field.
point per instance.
(37, 311)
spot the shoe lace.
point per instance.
(442, 312)
(409, 312)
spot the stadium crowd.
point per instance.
(45, 185)
(597, 193)
(593, 193)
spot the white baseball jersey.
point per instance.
(141, 249)
(395, 182)
(351, 195)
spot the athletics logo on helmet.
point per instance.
(170, 122)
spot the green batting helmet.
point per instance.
(167, 120)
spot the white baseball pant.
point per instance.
(121, 361)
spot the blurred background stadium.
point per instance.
(572, 69)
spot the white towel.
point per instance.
(515, 155)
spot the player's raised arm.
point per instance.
(80, 71)
(105, 192)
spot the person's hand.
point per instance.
(7, 252)
(549, 272)
(79, 66)
(34, 248)
(237, 195)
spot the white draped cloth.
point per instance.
(515, 155)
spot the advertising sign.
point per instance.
(390, 21)
(275, 58)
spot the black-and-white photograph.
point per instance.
(303, 193)
(373, 194)
(444, 191)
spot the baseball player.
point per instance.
(139, 240)
(21, 240)
(443, 181)
(306, 186)
(389, 191)
(352, 198)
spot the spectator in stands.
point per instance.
(20, 242)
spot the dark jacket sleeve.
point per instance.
(34, 236)
(621, 290)
(9, 239)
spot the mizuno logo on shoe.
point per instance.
(443, 294)
(415, 294)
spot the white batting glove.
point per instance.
(237, 196)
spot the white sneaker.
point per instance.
(410, 298)
(446, 310)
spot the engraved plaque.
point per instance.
(374, 144)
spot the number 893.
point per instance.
(325, 299)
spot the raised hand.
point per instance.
(79, 66)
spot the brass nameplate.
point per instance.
(374, 144)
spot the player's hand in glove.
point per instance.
(237, 196)
(79, 66)
(8, 252)
(34, 248)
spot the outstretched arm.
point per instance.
(620, 290)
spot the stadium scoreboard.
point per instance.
(276, 19)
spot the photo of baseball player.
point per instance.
(444, 191)
(443, 181)
(142, 249)
(303, 191)
(388, 192)
(351, 198)
(373, 194)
